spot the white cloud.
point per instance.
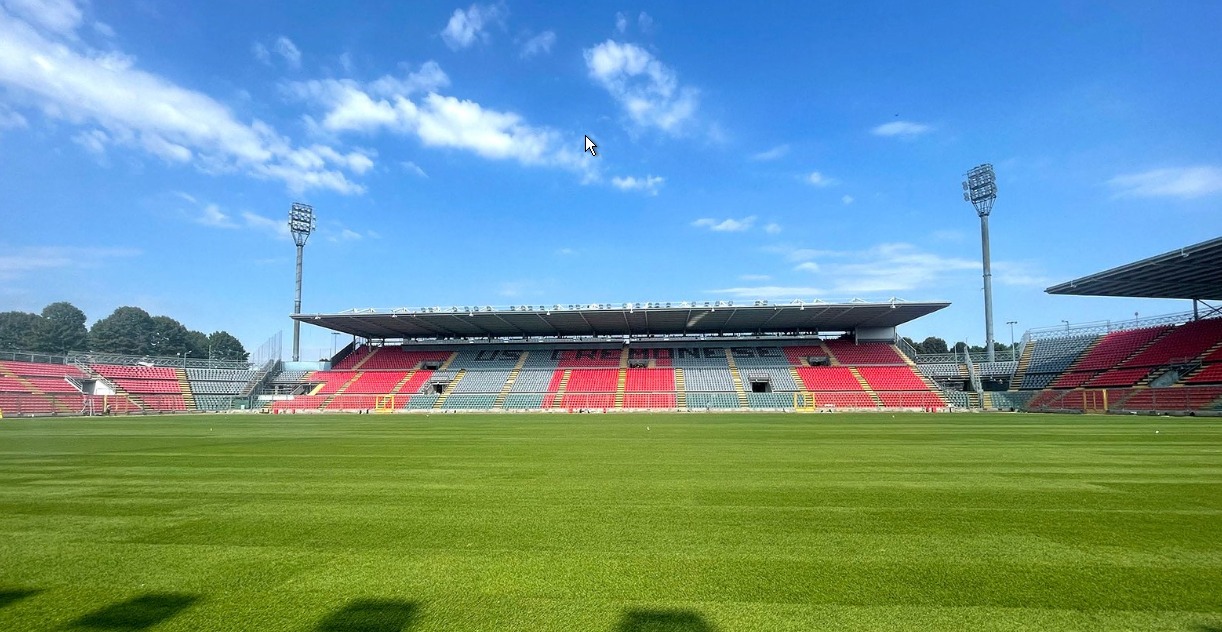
(10, 119)
(412, 167)
(288, 51)
(890, 268)
(436, 120)
(648, 184)
(539, 44)
(729, 225)
(262, 55)
(903, 129)
(271, 227)
(211, 215)
(345, 234)
(818, 179)
(1177, 182)
(94, 141)
(283, 47)
(846, 200)
(772, 228)
(644, 22)
(647, 90)
(621, 22)
(56, 17)
(141, 110)
(566, 252)
(16, 262)
(465, 27)
(754, 277)
(771, 154)
(769, 292)
(103, 29)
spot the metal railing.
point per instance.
(1107, 326)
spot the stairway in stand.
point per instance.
(806, 395)
(738, 380)
(94, 375)
(559, 394)
(988, 401)
(34, 390)
(620, 384)
(332, 396)
(865, 386)
(451, 386)
(680, 389)
(184, 386)
(513, 377)
(1024, 361)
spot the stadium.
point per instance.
(682, 357)
(777, 450)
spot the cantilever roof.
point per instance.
(1192, 272)
(640, 319)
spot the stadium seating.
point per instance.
(650, 400)
(886, 378)
(1185, 342)
(482, 382)
(844, 399)
(649, 380)
(828, 378)
(911, 399)
(865, 353)
(1211, 374)
(592, 381)
(700, 401)
(712, 380)
(943, 370)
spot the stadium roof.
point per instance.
(1192, 272)
(631, 319)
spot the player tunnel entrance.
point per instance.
(759, 383)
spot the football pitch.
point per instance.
(624, 523)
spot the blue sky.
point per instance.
(149, 153)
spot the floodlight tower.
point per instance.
(980, 189)
(301, 224)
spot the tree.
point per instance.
(18, 330)
(127, 330)
(933, 345)
(226, 347)
(169, 337)
(61, 329)
(197, 344)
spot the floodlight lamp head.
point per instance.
(980, 189)
(301, 222)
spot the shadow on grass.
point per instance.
(1210, 627)
(10, 596)
(371, 615)
(138, 613)
(663, 621)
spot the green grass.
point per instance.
(572, 522)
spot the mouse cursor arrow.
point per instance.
(590, 146)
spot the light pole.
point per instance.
(334, 339)
(980, 189)
(1012, 323)
(301, 224)
(1066, 325)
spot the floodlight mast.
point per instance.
(301, 224)
(980, 189)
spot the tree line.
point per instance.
(933, 344)
(128, 330)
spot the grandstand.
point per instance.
(680, 356)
